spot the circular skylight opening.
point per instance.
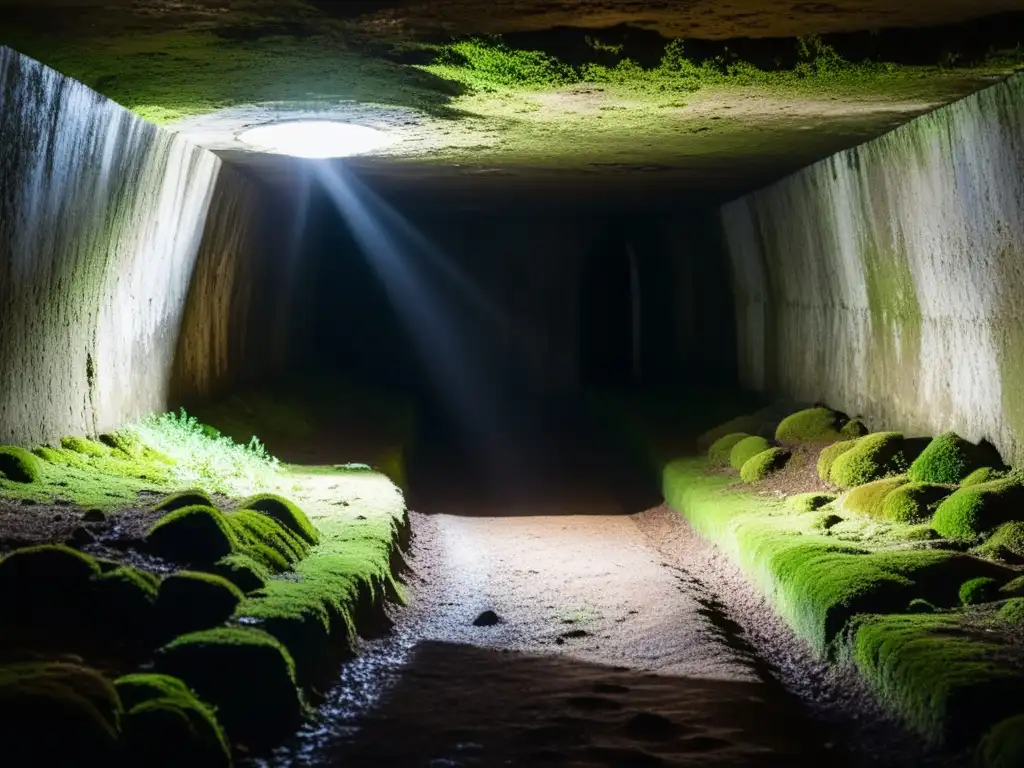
(315, 138)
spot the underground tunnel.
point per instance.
(445, 383)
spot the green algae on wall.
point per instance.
(891, 272)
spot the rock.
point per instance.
(80, 537)
(487, 619)
(94, 516)
(574, 634)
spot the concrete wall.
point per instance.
(102, 217)
(888, 280)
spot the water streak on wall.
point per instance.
(102, 216)
(888, 280)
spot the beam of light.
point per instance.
(315, 139)
(434, 333)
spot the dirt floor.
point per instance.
(621, 639)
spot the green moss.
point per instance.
(284, 512)
(853, 429)
(917, 605)
(764, 464)
(1003, 745)
(721, 449)
(825, 523)
(874, 456)
(940, 678)
(979, 590)
(190, 498)
(970, 512)
(982, 475)
(242, 571)
(809, 502)
(813, 425)
(18, 465)
(46, 586)
(1013, 588)
(947, 459)
(84, 446)
(828, 456)
(189, 601)
(192, 536)
(166, 725)
(746, 449)
(913, 502)
(266, 540)
(123, 600)
(77, 702)
(1012, 611)
(868, 500)
(1006, 543)
(246, 674)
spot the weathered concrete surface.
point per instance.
(887, 280)
(102, 216)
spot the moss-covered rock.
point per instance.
(947, 459)
(913, 502)
(189, 601)
(245, 673)
(167, 726)
(1012, 611)
(980, 590)
(853, 429)
(982, 475)
(84, 446)
(873, 457)
(242, 571)
(259, 533)
(809, 502)
(764, 464)
(284, 512)
(192, 498)
(813, 425)
(1005, 544)
(917, 605)
(1003, 745)
(57, 714)
(198, 536)
(18, 465)
(826, 522)
(721, 449)
(972, 511)
(746, 449)
(46, 587)
(868, 500)
(1013, 588)
(123, 599)
(828, 456)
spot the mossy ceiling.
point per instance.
(610, 98)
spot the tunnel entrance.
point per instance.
(610, 316)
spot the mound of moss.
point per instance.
(57, 714)
(764, 464)
(746, 449)
(1003, 745)
(124, 599)
(853, 429)
(18, 465)
(947, 459)
(868, 500)
(828, 456)
(1013, 588)
(84, 446)
(1006, 543)
(165, 725)
(982, 475)
(189, 601)
(813, 425)
(46, 587)
(1012, 611)
(285, 513)
(721, 449)
(194, 498)
(197, 536)
(809, 502)
(917, 605)
(245, 674)
(266, 540)
(941, 679)
(826, 523)
(242, 571)
(913, 502)
(969, 512)
(980, 590)
(873, 457)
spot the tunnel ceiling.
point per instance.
(585, 97)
